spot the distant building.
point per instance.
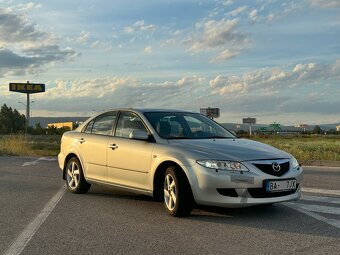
(61, 125)
(301, 126)
(338, 128)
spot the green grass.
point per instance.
(20, 145)
(304, 148)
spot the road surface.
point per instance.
(37, 216)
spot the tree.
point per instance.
(11, 121)
(317, 130)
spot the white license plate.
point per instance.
(284, 185)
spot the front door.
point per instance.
(129, 160)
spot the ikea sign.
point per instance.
(27, 88)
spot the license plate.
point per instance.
(284, 185)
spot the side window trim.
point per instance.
(152, 139)
(85, 127)
(113, 124)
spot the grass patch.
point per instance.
(302, 147)
(20, 145)
(306, 147)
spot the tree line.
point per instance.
(12, 122)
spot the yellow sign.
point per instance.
(61, 125)
(28, 88)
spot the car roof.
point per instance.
(143, 110)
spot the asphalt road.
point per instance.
(107, 221)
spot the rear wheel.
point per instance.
(75, 179)
(178, 199)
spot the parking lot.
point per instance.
(37, 216)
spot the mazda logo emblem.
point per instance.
(276, 167)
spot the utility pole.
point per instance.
(28, 109)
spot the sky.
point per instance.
(275, 60)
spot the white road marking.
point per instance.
(23, 239)
(322, 191)
(331, 200)
(332, 222)
(320, 209)
(34, 162)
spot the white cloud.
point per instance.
(25, 6)
(212, 34)
(129, 30)
(228, 2)
(253, 15)
(140, 26)
(25, 49)
(269, 79)
(325, 3)
(226, 54)
(83, 37)
(191, 81)
(238, 11)
(219, 36)
(147, 50)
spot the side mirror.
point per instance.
(139, 135)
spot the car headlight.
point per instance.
(294, 163)
(222, 165)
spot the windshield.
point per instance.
(182, 125)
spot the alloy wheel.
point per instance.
(170, 192)
(73, 175)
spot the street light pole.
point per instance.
(27, 105)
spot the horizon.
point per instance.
(261, 59)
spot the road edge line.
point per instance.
(26, 235)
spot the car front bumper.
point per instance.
(235, 189)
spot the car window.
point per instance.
(88, 128)
(127, 123)
(103, 124)
(182, 125)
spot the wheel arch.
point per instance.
(158, 177)
(67, 158)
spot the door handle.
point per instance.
(113, 146)
(81, 140)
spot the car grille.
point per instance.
(261, 192)
(268, 168)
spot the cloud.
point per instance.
(330, 4)
(228, 2)
(16, 29)
(270, 79)
(140, 26)
(253, 15)
(147, 50)
(226, 54)
(24, 49)
(110, 92)
(238, 11)
(219, 36)
(82, 38)
(25, 7)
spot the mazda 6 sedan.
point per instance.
(179, 157)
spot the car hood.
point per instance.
(229, 149)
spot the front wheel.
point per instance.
(75, 179)
(178, 199)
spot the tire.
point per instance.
(178, 198)
(74, 177)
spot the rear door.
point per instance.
(93, 146)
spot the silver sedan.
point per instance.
(181, 158)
